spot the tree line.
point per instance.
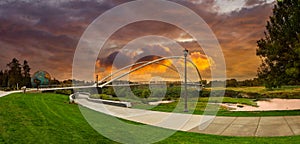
(16, 75)
(235, 83)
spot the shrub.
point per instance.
(104, 97)
(64, 91)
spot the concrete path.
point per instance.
(227, 126)
(3, 93)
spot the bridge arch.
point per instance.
(144, 64)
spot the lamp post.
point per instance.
(186, 52)
(96, 80)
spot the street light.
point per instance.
(186, 52)
(97, 81)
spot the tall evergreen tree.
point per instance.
(14, 74)
(280, 49)
(26, 74)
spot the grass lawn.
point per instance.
(48, 118)
(263, 90)
(201, 105)
(199, 108)
(222, 112)
(43, 118)
(245, 101)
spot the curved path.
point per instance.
(227, 126)
(4, 93)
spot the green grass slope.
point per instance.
(48, 118)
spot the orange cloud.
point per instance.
(202, 61)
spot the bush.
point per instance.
(104, 97)
(7, 89)
(204, 93)
(64, 91)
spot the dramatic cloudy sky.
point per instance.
(46, 33)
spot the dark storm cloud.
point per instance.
(122, 60)
(46, 32)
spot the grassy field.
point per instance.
(263, 90)
(284, 92)
(235, 93)
(200, 107)
(48, 118)
(198, 104)
(43, 118)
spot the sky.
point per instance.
(46, 34)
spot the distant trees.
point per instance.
(250, 82)
(280, 49)
(236, 83)
(16, 75)
(232, 83)
(54, 82)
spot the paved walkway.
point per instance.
(3, 93)
(227, 126)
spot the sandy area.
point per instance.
(272, 104)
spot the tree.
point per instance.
(26, 74)
(145, 93)
(14, 73)
(231, 83)
(4, 82)
(1, 77)
(280, 49)
(54, 82)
